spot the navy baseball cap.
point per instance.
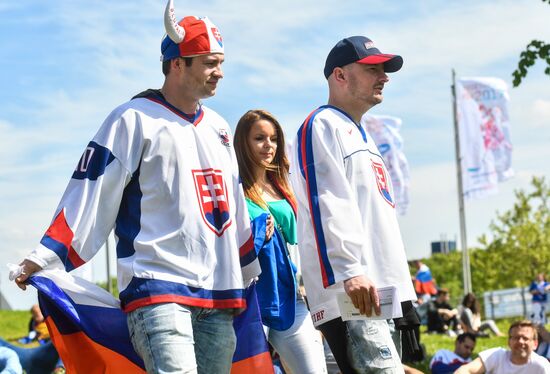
(360, 49)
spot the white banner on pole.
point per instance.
(385, 132)
(484, 131)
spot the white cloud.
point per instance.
(541, 113)
(434, 201)
(471, 35)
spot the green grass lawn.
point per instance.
(14, 324)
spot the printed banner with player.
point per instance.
(484, 133)
(384, 130)
(90, 332)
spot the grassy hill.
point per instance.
(14, 324)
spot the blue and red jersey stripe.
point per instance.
(307, 169)
(58, 238)
(141, 292)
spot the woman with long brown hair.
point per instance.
(470, 317)
(263, 167)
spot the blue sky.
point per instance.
(66, 64)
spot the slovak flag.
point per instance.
(252, 352)
(90, 333)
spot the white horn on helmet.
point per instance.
(173, 30)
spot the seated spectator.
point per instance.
(9, 361)
(521, 358)
(41, 359)
(442, 318)
(470, 317)
(38, 331)
(543, 349)
(445, 361)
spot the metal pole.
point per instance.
(492, 307)
(108, 268)
(466, 275)
(523, 303)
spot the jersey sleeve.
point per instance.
(88, 209)
(333, 210)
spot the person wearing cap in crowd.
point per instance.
(161, 172)
(347, 226)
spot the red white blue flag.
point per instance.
(90, 333)
(86, 325)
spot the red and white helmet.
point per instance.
(192, 36)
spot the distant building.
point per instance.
(443, 246)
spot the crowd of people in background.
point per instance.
(528, 340)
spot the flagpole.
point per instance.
(466, 274)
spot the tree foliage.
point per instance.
(520, 245)
(534, 50)
(517, 248)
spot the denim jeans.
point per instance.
(371, 348)
(538, 314)
(301, 345)
(173, 338)
(9, 361)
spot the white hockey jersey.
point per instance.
(168, 184)
(347, 224)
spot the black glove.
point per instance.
(409, 326)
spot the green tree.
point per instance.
(517, 248)
(534, 50)
(447, 272)
(520, 244)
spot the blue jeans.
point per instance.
(371, 348)
(9, 361)
(173, 338)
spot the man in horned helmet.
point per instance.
(161, 172)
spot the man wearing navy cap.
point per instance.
(348, 232)
(161, 172)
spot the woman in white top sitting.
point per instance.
(470, 317)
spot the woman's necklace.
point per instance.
(268, 191)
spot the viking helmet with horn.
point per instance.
(192, 36)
